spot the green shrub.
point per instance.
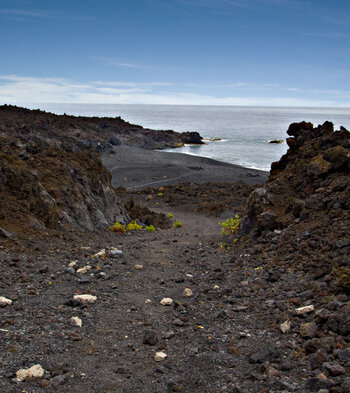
(150, 228)
(133, 226)
(230, 226)
(118, 227)
(170, 215)
(177, 224)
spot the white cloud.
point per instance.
(27, 13)
(239, 3)
(23, 14)
(29, 90)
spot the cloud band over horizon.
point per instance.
(16, 89)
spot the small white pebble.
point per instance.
(84, 269)
(187, 292)
(5, 302)
(166, 301)
(99, 254)
(73, 263)
(34, 372)
(285, 326)
(216, 287)
(148, 301)
(304, 310)
(138, 267)
(160, 356)
(84, 299)
(77, 321)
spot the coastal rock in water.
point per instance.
(191, 137)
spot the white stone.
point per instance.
(5, 302)
(216, 287)
(84, 269)
(148, 301)
(114, 251)
(138, 267)
(160, 356)
(85, 299)
(187, 292)
(166, 301)
(73, 263)
(285, 326)
(34, 372)
(304, 310)
(77, 321)
(99, 254)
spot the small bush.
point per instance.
(230, 226)
(118, 227)
(177, 224)
(160, 194)
(170, 215)
(133, 226)
(150, 228)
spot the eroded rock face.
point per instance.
(310, 182)
(54, 187)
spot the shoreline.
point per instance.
(137, 168)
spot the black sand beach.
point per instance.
(138, 168)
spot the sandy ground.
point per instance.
(154, 168)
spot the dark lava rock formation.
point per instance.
(51, 172)
(51, 187)
(101, 133)
(308, 196)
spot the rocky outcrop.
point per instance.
(51, 173)
(192, 138)
(304, 208)
(55, 187)
(102, 133)
(310, 181)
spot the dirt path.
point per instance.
(223, 338)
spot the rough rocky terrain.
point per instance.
(267, 313)
(101, 133)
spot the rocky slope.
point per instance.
(51, 172)
(55, 187)
(307, 195)
(101, 133)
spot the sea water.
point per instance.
(244, 132)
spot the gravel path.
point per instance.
(226, 337)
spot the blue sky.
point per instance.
(219, 52)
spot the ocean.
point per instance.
(244, 132)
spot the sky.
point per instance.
(187, 52)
